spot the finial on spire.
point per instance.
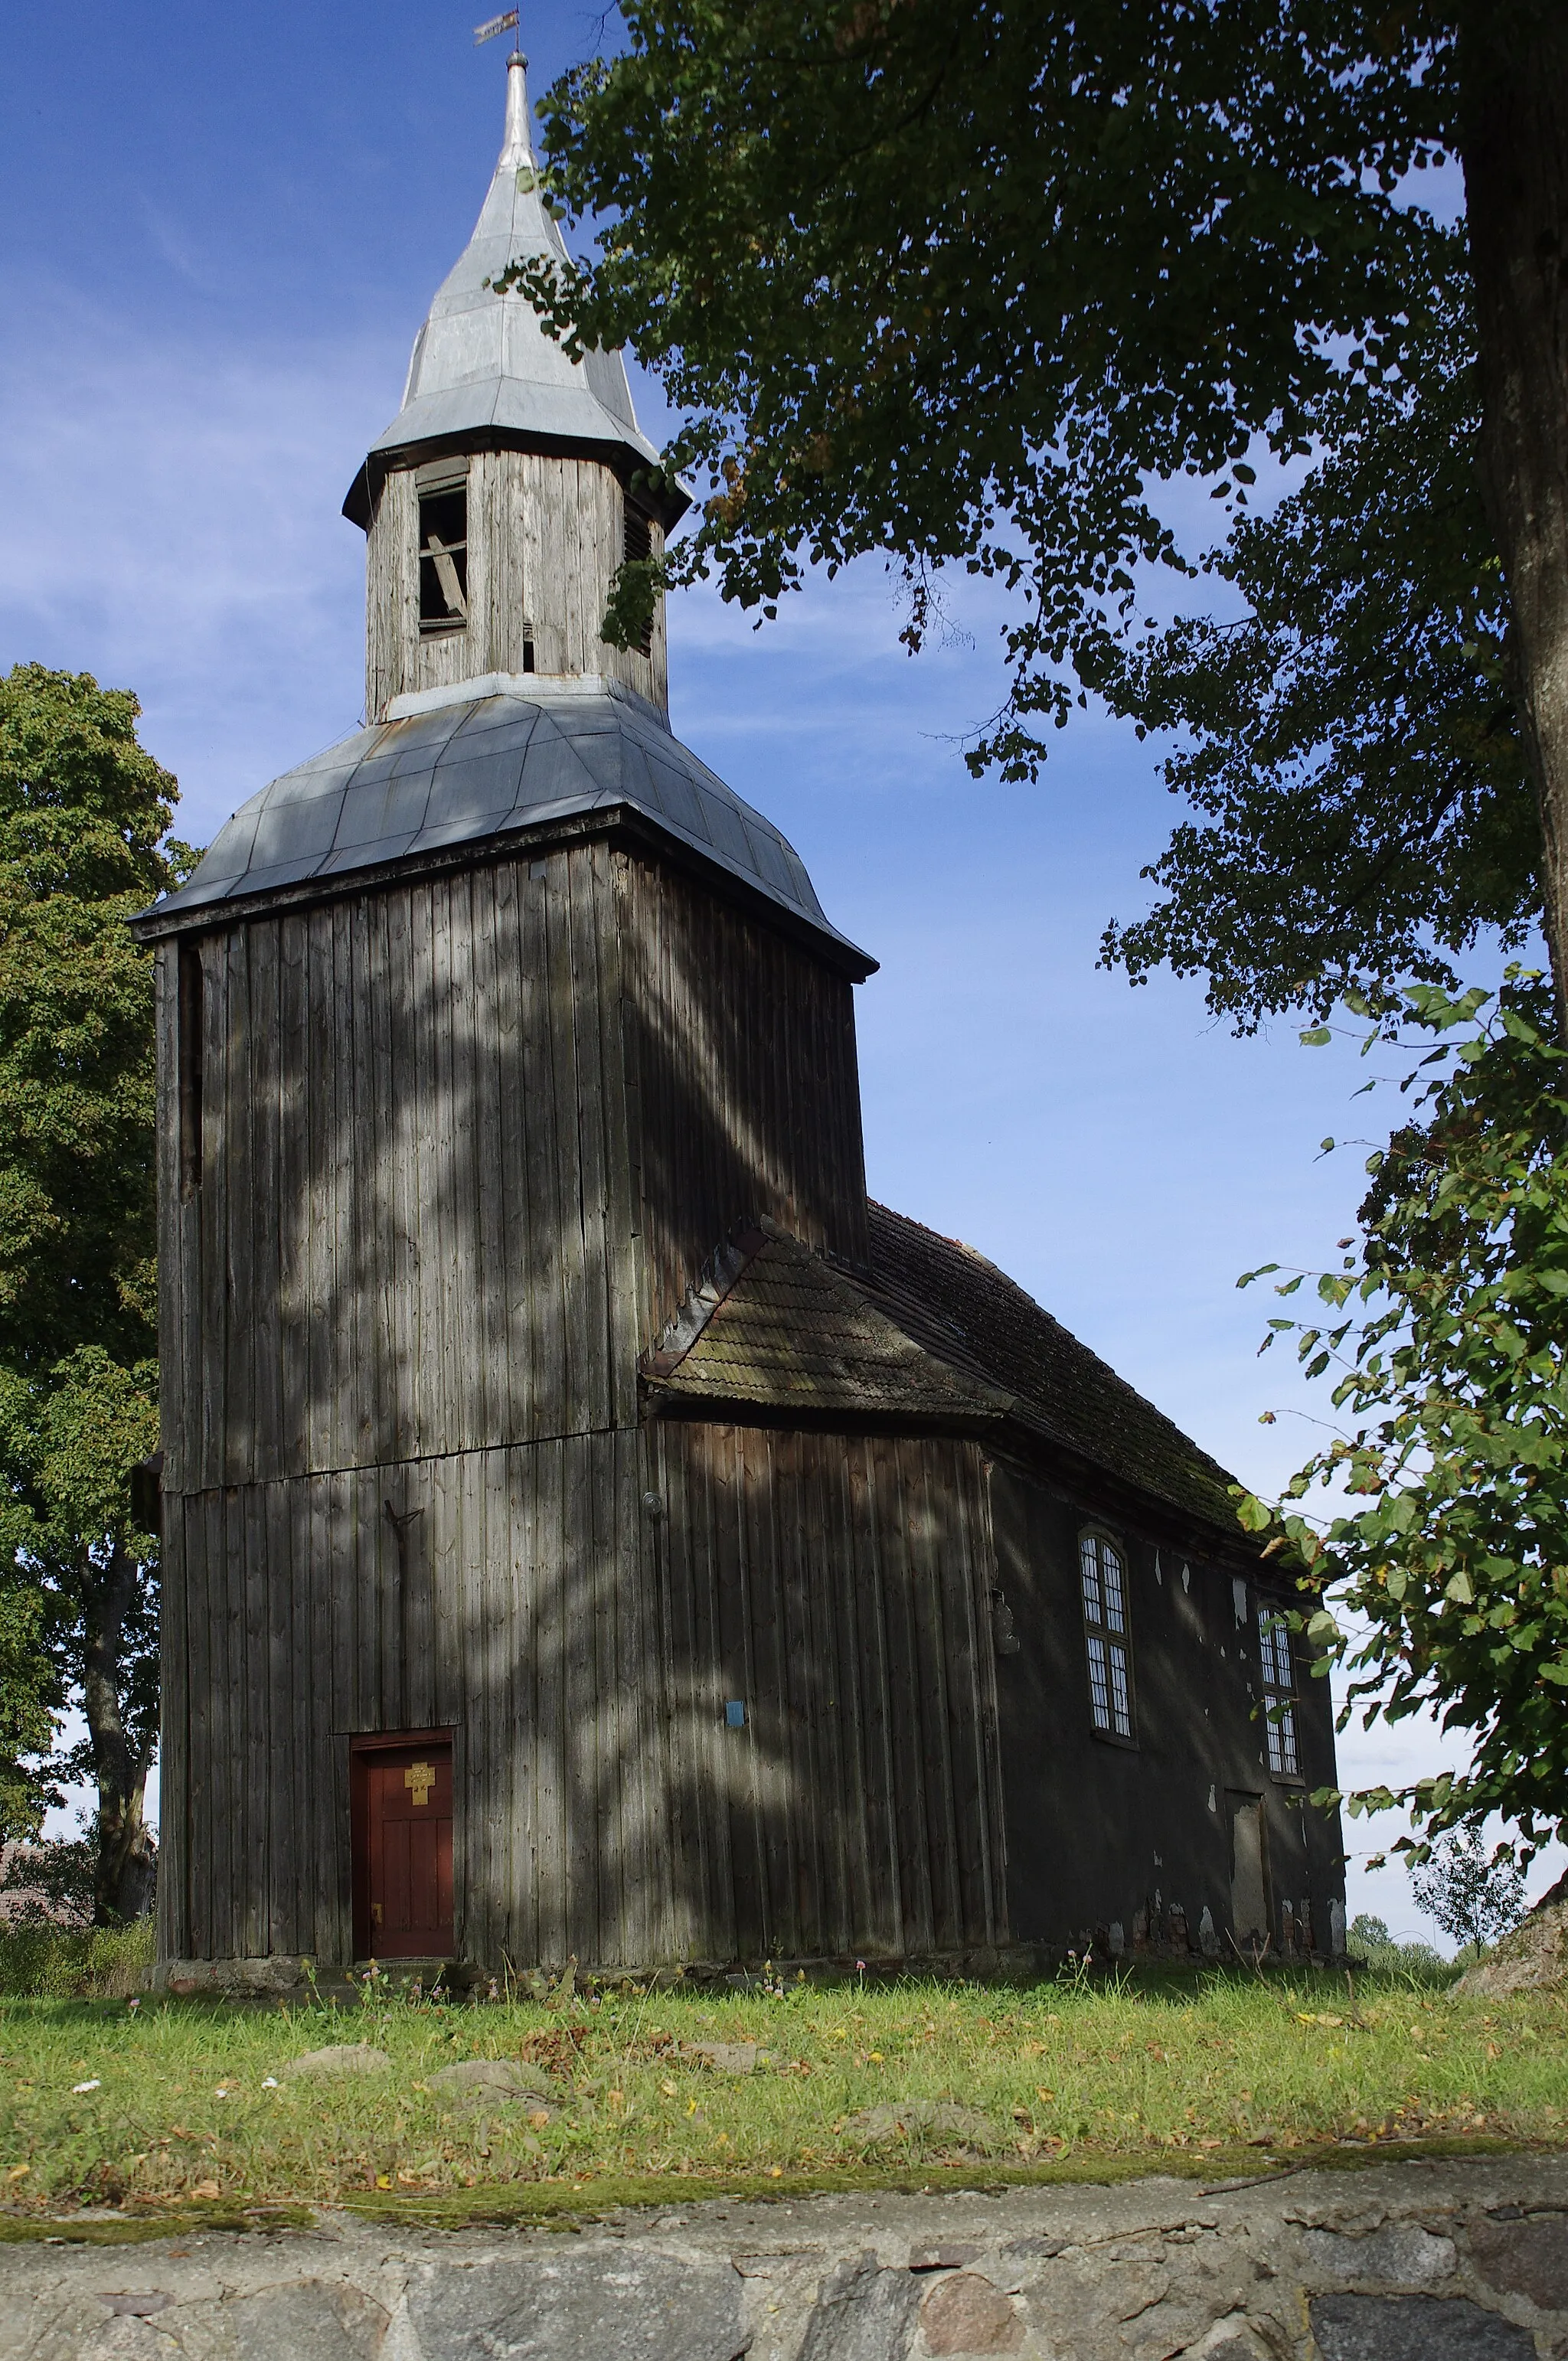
(516, 150)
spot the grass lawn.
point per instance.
(163, 2104)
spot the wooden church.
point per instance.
(591, 1529)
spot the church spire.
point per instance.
(482, 363)
(513, 481)
(516, 150)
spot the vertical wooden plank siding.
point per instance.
(608, 1812)
(545, 537)
(855, 1849)
(419, 1143)
(467, 1142)
(174, 1751)
(742, 1057)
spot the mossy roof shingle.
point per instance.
(792, 1331)
(959, 1305)
(933, 1333)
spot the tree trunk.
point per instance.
(122, 1882)
(1514, 136)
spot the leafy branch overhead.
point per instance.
(951, 284)
(973, 287)
(1444, 1536)
(1350, 750)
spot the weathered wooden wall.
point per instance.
(412, 1235)
(510, 1604)
(1145, 1826)
(582, 1648)
(840, 1587)
(745, 1083)
(467, 1143)
(545, 537)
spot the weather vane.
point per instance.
(487, 32)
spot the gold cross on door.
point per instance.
(419, 1779)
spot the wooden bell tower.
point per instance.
(480, 1033)
(512, 483)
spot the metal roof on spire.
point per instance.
(483, 368)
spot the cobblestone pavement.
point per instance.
(1458, 2261)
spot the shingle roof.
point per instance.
(934, 1332)
(777, 1325)
(959, 1305)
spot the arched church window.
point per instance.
(1103, 1574)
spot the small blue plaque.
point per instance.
(735, 1712)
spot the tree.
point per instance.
(28, 1691)
(1439, 1557)
(1348, 746)
(967, 285)
(68, 1445)
(1473, 1894)
(85, 813)
(1368, 1939)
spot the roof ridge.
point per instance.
(1068, 1417)
(716, 1279)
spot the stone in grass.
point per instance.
(494, 2082)
(343, 2058)
(939, 2116)
(726, 2057)
(1414, 2328)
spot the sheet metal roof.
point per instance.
(933, 1333)
(477, 766)
(481, 362)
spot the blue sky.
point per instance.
(218, 235)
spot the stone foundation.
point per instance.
(1453, 2260)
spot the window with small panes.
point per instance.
(1103, 1572)
(1278, 1691)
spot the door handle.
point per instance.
(375, 1914)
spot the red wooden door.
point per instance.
(404, 1840)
